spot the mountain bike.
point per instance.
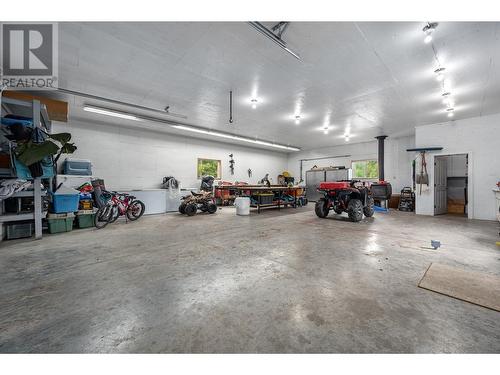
(118, 204)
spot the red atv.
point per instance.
(352, 197)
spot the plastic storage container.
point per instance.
(60, 224)
(78, 167)
(21, 229)
(264, 198)
(65, 200)
(242, 206)
(85, 220)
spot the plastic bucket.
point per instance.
(242, 206)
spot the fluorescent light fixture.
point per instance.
(109, 112)
(269, 34)
(234, 137)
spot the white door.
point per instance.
(440, 175)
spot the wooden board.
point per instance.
(57, 109)
(479, 288)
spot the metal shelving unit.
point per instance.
(38, 113)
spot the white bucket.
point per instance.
(242, 206)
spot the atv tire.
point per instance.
(212, 208)
(321, 208)
(355, 210)
(338, 211)
(182, 208)
(190, 209)
(368, 210)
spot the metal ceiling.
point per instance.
(373, 78)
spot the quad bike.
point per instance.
(203, 201)
(345, 196)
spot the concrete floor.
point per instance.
(281, 281)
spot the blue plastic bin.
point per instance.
(62, 203)
(22, 120)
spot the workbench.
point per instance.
(279, 190)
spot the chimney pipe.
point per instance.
(381, 139)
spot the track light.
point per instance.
(254, 103)
(440, 73)
(110, 112)
(428, 30)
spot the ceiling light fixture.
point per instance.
(254, 103)
(440, 73)
(275, 38)
(234, 137)
(109, 112)
(428, 30)
(297, 120)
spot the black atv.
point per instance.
(197, 201)
(345, 196)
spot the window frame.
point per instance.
(364, 160)
(219, 168)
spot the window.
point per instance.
(209, 167)
(365, 169)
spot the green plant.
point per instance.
(31, 152)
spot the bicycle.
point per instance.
(118, 204)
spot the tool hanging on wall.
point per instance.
(230, 107)
(231, 163)
(423, 177)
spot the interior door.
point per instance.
(440, 188)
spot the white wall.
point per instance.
(480, 138)
(132, 159)
(397, 160)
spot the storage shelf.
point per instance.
(19, 217)
(26, 193)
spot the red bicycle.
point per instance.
(118, 204)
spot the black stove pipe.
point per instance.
(381, 139)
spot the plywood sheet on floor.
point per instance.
(480, 288)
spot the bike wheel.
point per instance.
(114, 215)
(135, 210)
(102, 216)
